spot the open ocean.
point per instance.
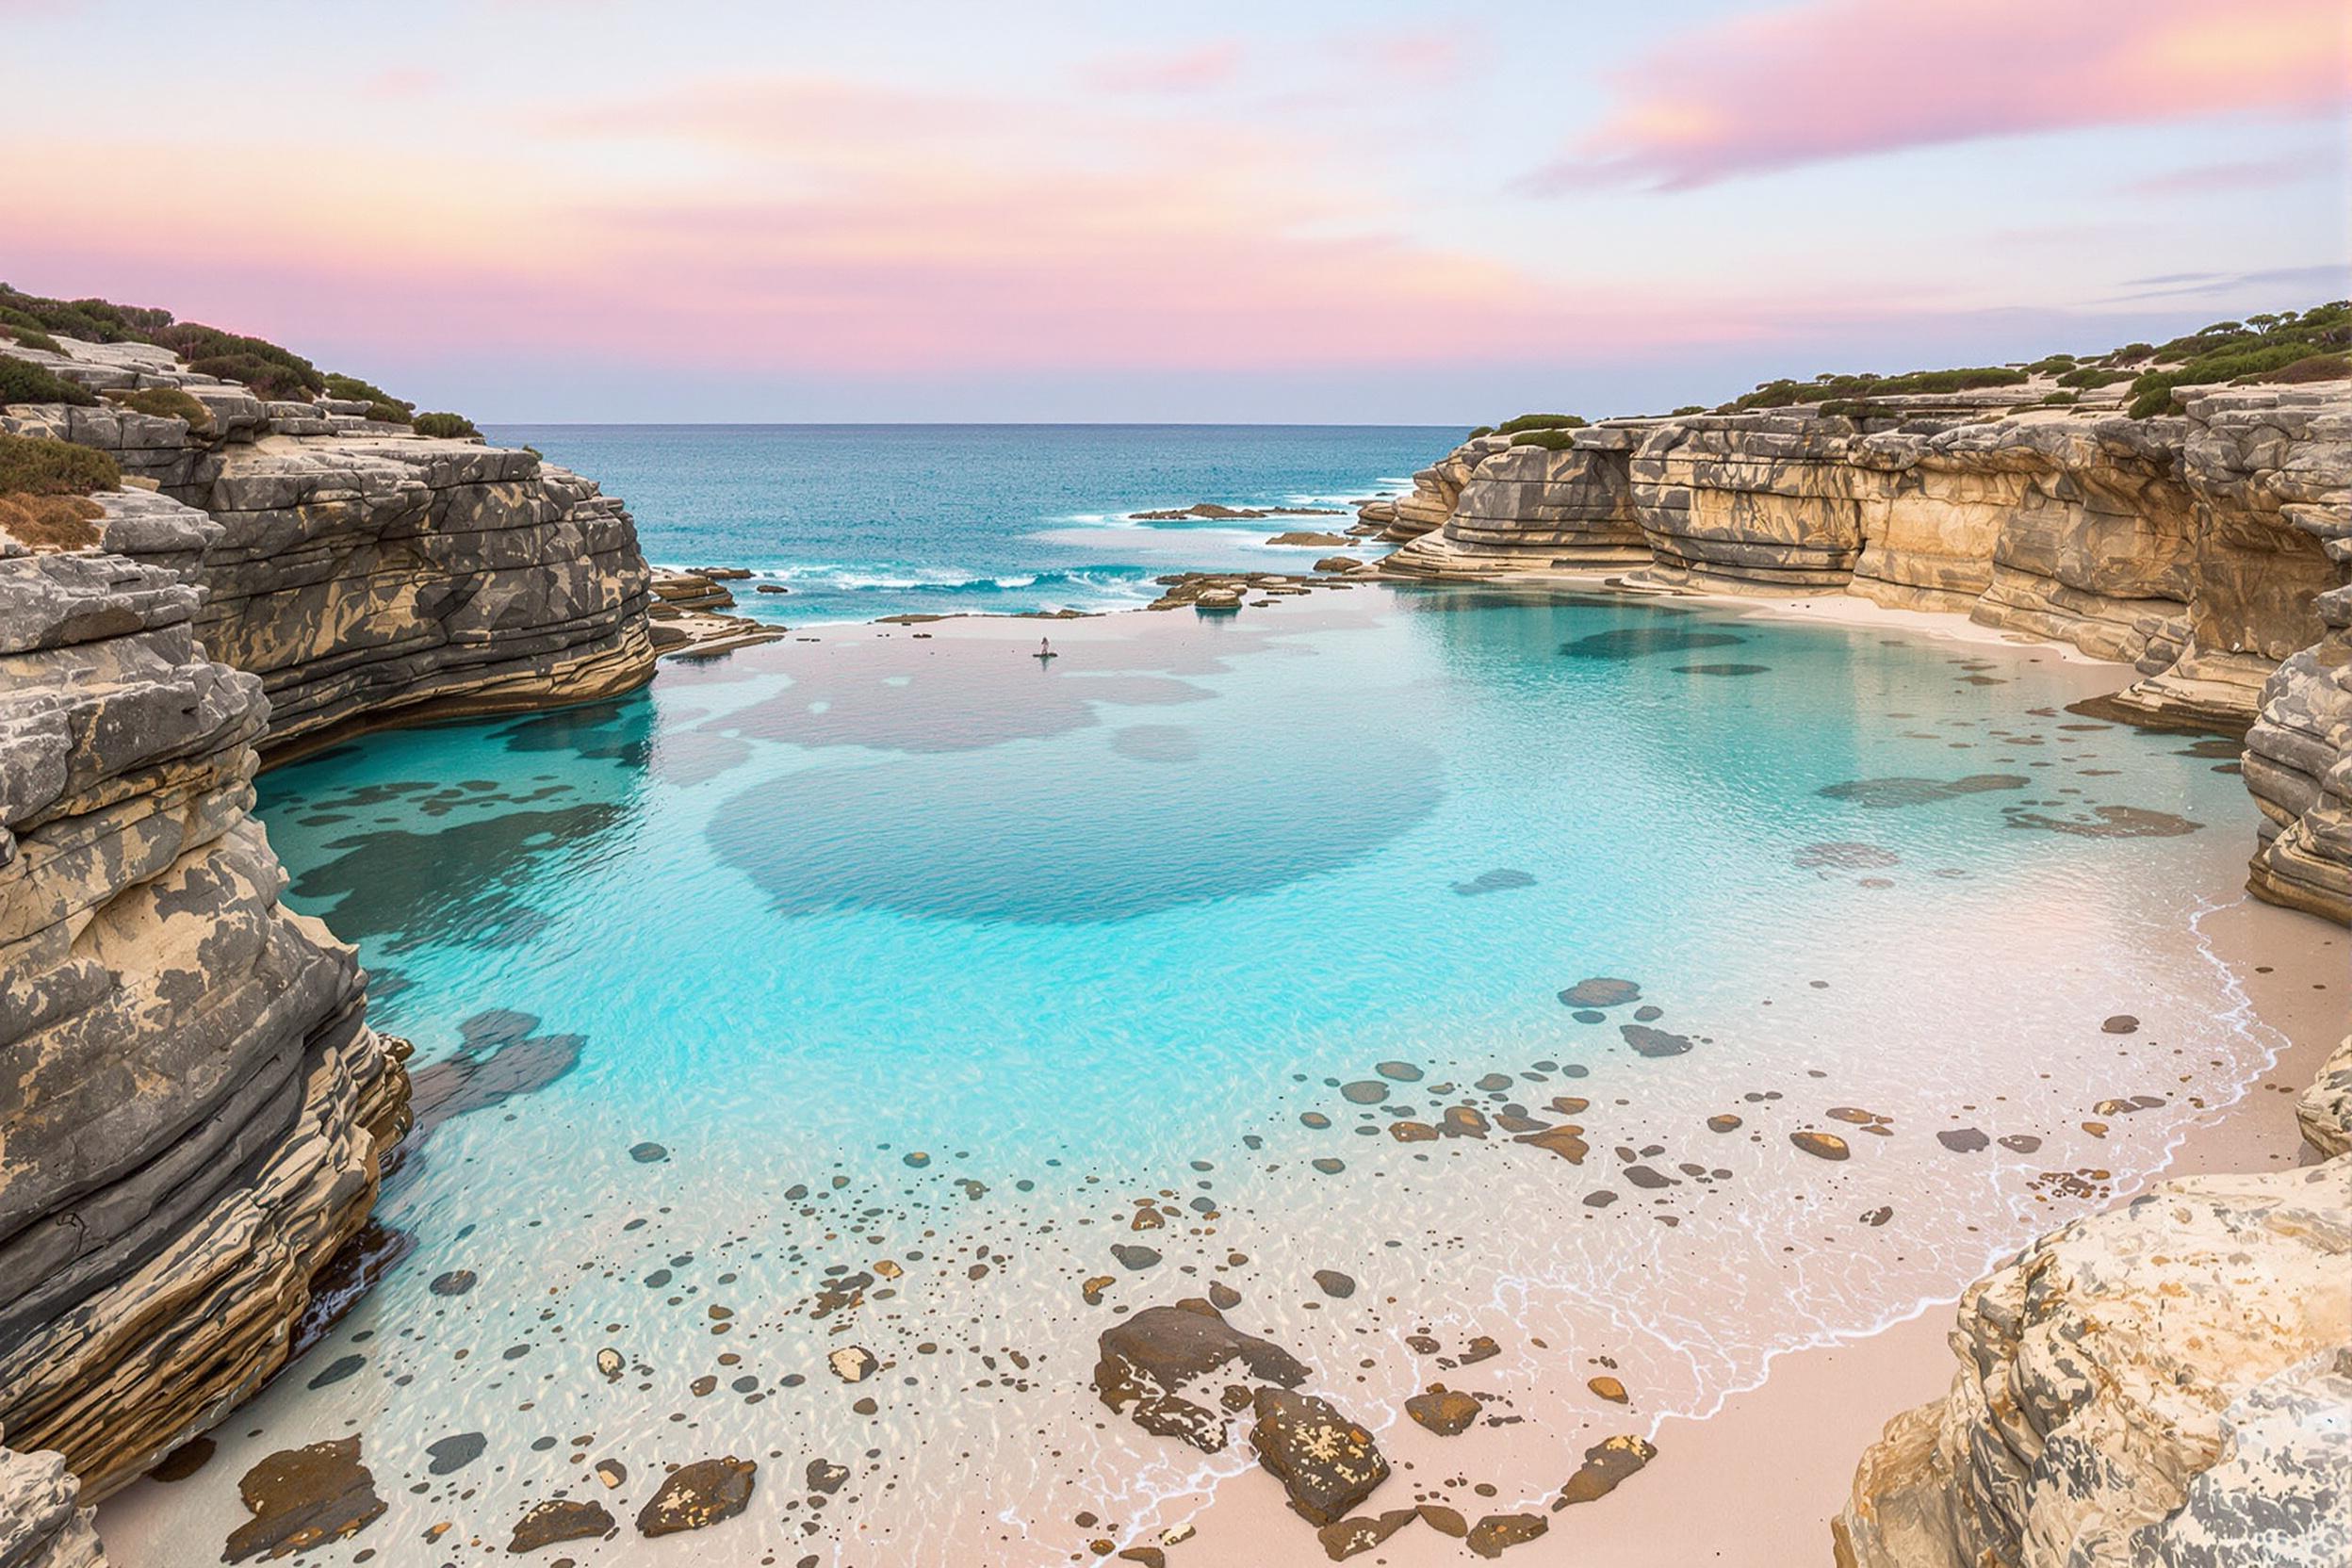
(857, 521)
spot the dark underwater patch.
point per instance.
(1639, 642)
(1890, 793)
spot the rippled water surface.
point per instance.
(858, 521)
(863, 993)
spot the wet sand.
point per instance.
(1756, 1484)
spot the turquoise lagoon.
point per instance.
(862, 991)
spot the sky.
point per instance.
(1282, 210)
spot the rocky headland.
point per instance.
(213, 556)
(2207, 545)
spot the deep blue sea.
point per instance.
(858, 521)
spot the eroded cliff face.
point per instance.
(2207, 550)
(366, 574)
(2163, 1383)
(192, 1109)
(1530, 508)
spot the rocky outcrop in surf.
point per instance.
(192, 1109)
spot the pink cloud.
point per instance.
(1838, 78)
(1189, 71)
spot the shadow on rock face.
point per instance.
(500, 1058)
(1888, 793)
(1084, 832)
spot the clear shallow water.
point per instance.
(907, 951)
(861, 521)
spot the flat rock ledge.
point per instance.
(368, 575)
(2164, 1383)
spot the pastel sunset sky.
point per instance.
(1386, 210)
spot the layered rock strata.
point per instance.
(366, 574)
(2163, 1383)
(1529, 507)
(192, 1109)
(2207, 550)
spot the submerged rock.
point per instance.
(696, 1496)
(299, 1497)
(1152, 1360)
(546, 1523)
(1324, 1460)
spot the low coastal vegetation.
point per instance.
(2288, 345)
(262, 367)
(36, 466)
(169, 402)
(45, 487)
(455, 425)
(23, 382)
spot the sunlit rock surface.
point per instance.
(191, 1107)
(366, 574)
(2164, 1383)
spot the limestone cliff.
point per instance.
(192, 1109)
(2205, 549)
(2163, 1383)
(368, 574)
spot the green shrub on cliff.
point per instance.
(2311, 367)
(1553, 439)
(2061, 400)
(455, 425)
(18, 327)
(1482, 430)
(92, 320)
(380, 404)
(36, 466)
(1691, 408)
(1785, 393)
(23, 382)
(2091, 376)
(171, 404)
(1541, 421)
